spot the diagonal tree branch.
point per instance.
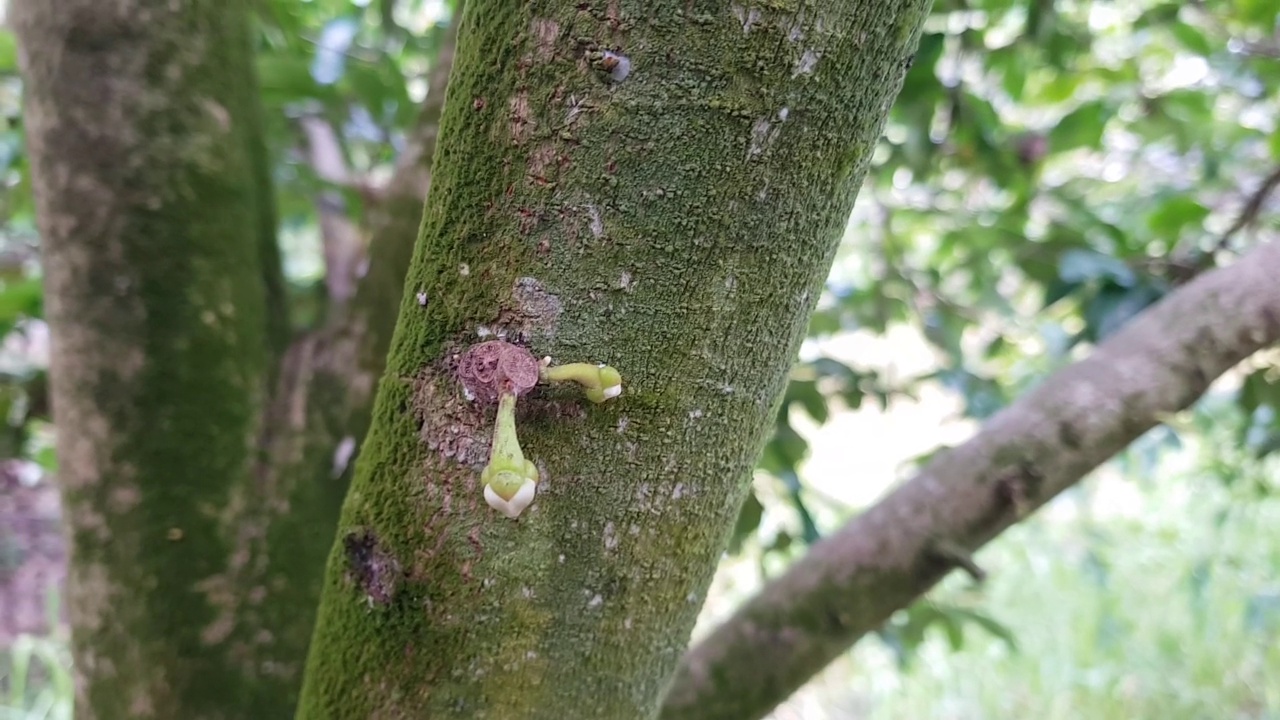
(850, 583)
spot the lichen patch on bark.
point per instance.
(533, 315)
(371, 567)
(452, 426)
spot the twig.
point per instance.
(1249, 213)
(952, 553)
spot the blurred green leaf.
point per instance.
(1262, 614)
(1192, 38)
(748, 521)
(1081, 128)
(1080, 266)
(1113, 306)
(8, 52)
(805, 393)
(1175, 214)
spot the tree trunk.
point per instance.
(851, 582)
(663, 192)
(142, 137)
(202, 462)
(316, 418)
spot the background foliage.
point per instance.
(1049, 170)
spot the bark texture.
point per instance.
(851, 582)
(660, 187)
(143, 138)
(315, 420)
(204, 454)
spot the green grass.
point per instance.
(35, 680)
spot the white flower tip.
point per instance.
(516, 505)
(612, 391)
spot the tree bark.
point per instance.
(143, 138)
(663, 192)
(317, 416)
(851, 582)
(203, 452)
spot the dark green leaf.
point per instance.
(1081, 128)
(1175, 214)
(805, 392)
(748, 521)
(1080, 266)
(1113, 306)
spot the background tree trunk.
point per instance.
(204, 452)
(152, 214)
(661, 192)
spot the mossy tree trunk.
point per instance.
(196, 437)
(660, 187)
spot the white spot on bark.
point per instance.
(624, 282)
(561, 558)
(610, 536)
(692, 598)
(576, 107)
(219, 114)
(746, 17)
(596, 601)
(634, 529)
(784, 113)
(342, 455)
(627, 623)
(545, 32)
(526, 592)
(219, 630)
(760, 137)
(464, 269)
(623, 422)
(678, 491)
(483, 331)
(695, 413)
(531, 655)
(807, 62)
(596, 224)
(422, 299)
(619, 66)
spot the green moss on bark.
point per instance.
(142, 137)
(675, 220)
